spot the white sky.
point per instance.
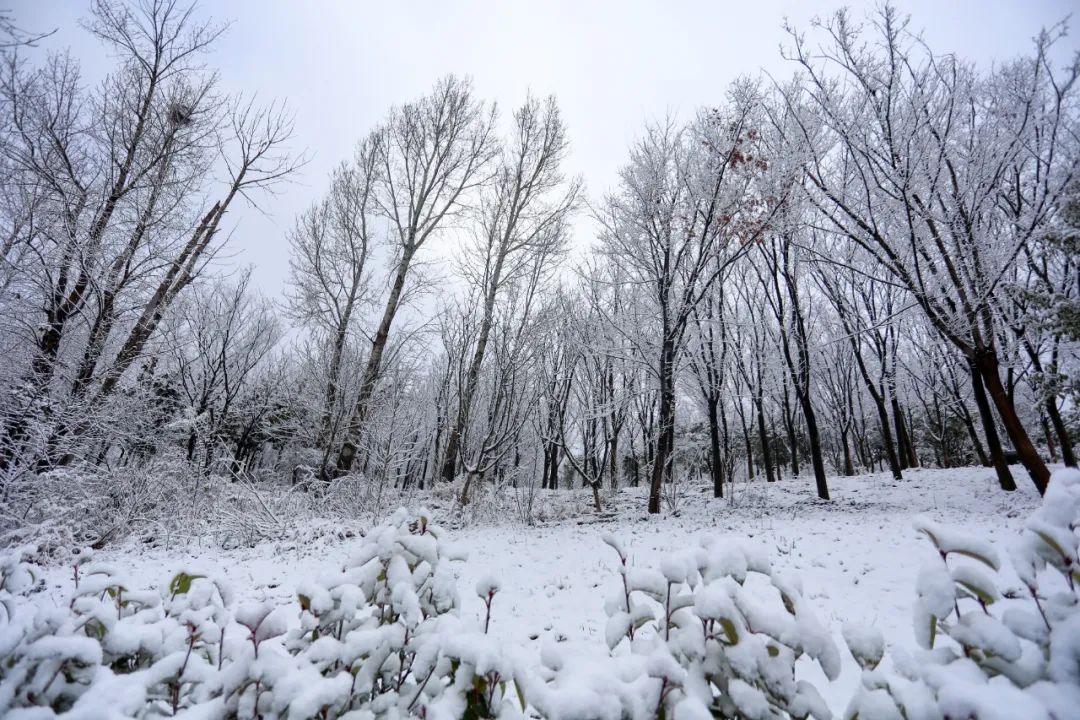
(612, 64)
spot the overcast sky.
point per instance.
(612, 65)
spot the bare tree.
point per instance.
(780, 275)
(686, 198)
(119, 223)
(332, 244)
(430, 154)
(522, 226)
(941, 176)
(216, 339)
(13, 36)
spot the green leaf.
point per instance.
(933, 538)
(983, 596)
(933, 631)
(975, 556)
(94, 629)
(1052, 543)
(181, 583)
(520, 696)
(730, 631)
(772, 650)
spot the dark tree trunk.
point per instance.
(1050, 447)
(766, 454)
(903, 450)
(993, 443)
(1029, 457)
(976, 441)
(815, 446)
(849, 468)
(882, 413)
(553, 467)
(1068, 456)
(665, 435)
(906, 447)
(373, 370)
(715, 461)
(749, 447)
(789, 427)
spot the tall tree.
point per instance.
(430, 154)
(332, 245)
(940, 175)
(684, 210)
(521, 225)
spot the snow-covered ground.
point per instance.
(857, 555)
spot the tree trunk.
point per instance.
(789, 427)
(747, 444)
(976, 441)
(815, 446)
(613, 459)
(989, 369)
(993, 443)
(905, 446)
(449, 465)
(1050, 447)
(882, 413)
(766, 454)
(849, 468)
(1068, 456)
(665, 434)
(902, 450)
(715, 462)
(553, 470)
(347, 454)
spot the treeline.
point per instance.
(871, 266)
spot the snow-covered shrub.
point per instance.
(84, 504)
(380, 638)
(135, 652)
(715, 632)
(17, 577)
(383, 634)
(990, 648)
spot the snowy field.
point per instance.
(857, 555)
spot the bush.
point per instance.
(714, 632)
(991, 648)
(380, 638)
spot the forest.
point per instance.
(862, 274)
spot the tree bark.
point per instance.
(1068, 455)
(815, 446)
(993, 442)
(989, 370)
(766, 453)
(715, 462)
(665, 435)
(373, 369)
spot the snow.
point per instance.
(487, 586)
(857, 558)
(950, 540)
(936, 589)
(866, 644)
(988, 634)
